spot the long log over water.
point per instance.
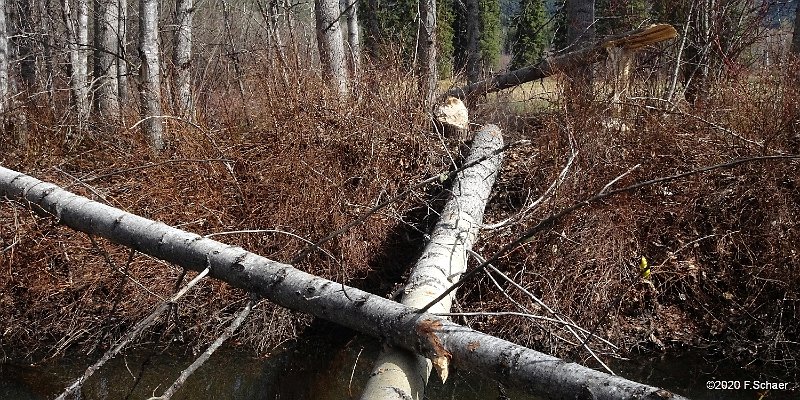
(426, 334)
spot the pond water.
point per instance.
(316, 369)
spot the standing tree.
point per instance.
(491, 42)
(429, 77)
(106, 53)
(473, 32)
(122, 60)
(3, 57)
(530, 36)
(24, 43)
(182, 58)
(77, 45)
(444, 37)
(331, 44)
(796, 33)
(150, 74)
(580, 30)
(354, 36)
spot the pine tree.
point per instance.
(531, 33)
(615, 16)
(491, 32)
(445, 39)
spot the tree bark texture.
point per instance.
(122, 60)
(150, 91)
(429, 75)
(569, 61)
(400, 374)
(77, 45)
(331, 44)
(400, 325)
(25, 44)
(580, 30)
(3, 57)
(106, 53)
(796, 33)
(354, 36)
(473, 64)
(182, 57)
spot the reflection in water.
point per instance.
(316, 368)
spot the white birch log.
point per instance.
(402, 326)
(400, 374)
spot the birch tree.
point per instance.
(122, 60)
(182, 57)
(429, 75)
(796, 33)
(106, 54)
(150, 74)
(77, 44)
(473, 64)
(25, 43)
(354, 36)
(331, 44)
(3, 57)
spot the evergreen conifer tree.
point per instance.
(530, 34)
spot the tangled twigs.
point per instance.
(436, 178)
(527, 236)
(130, 336)
(209, 351)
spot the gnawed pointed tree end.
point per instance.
(451, 119)
(439, 356)
(652, 34)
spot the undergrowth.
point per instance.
(291, 162)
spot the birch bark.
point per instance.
(77, 45)
(402, 326)
(150, 94)
(331, 44)
(429, 75)
(182, 57)
(106, 54)
(3, 57)
(400, 374)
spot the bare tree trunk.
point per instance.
(153, 124)
(473, 64)
(423, 333)
(182, 57)
(46, 30)
(122, 61)
(354, 36)
(78, 44)
(3, 59)
(24, 44)
(400, 374)
(796, 33)
(580, 30)
(429, 75)
(106, 53)
(331, 44)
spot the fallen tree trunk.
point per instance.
(399, 325)
(565, 62)
(398, 373)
